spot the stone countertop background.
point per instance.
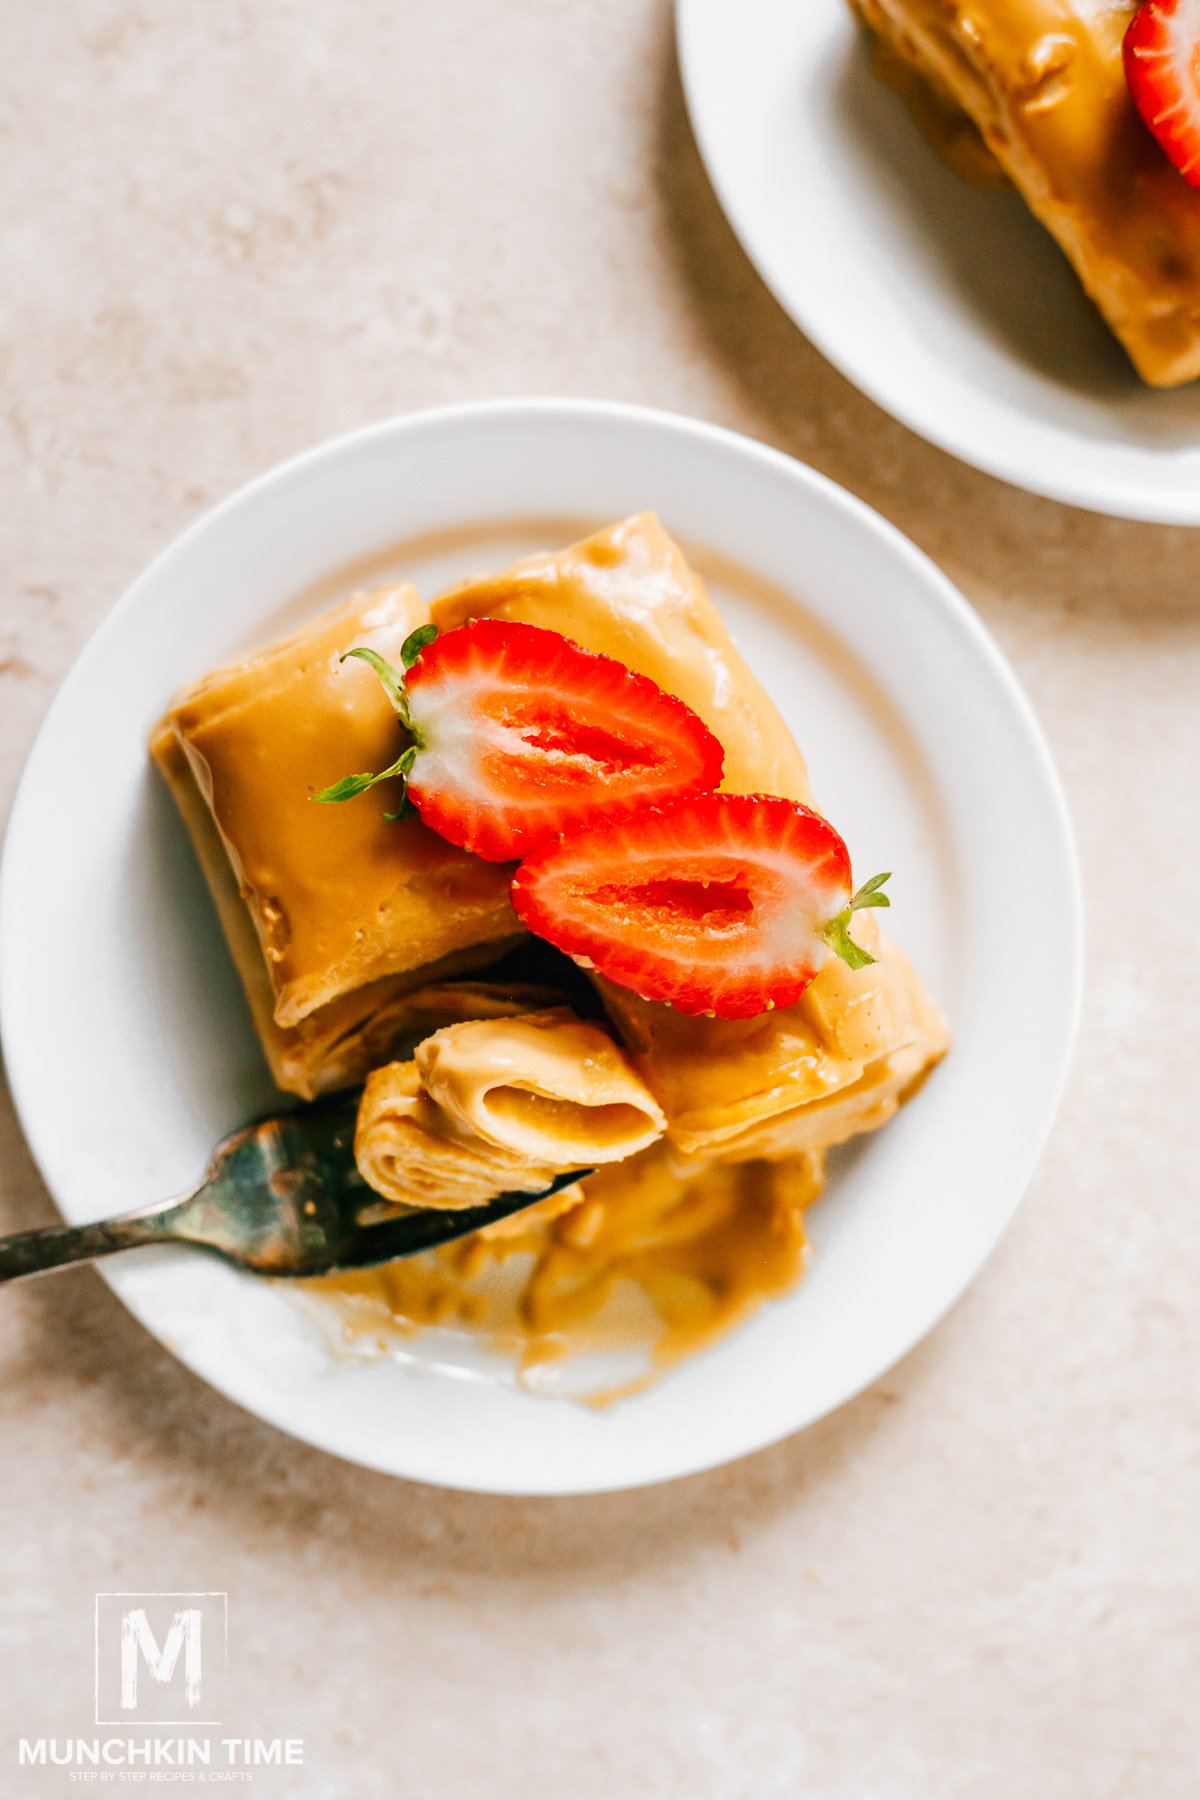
(235, 229)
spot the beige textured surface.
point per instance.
(233, 229)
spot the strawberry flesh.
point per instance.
(522, 735)
(1162, 68)
(715, 903)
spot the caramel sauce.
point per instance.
(1043, 83)
(339, 897)
(705, 1246)
(662, 1253)
(627, 592)
(942, 121)
(671, 1249)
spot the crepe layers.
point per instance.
(501, 1106)
(339, 921)
(790, 1081)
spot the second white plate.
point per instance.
(127, 1040)
(949, 306)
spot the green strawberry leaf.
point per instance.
(393, 683)
(392, 679)
(837, 932)
(869, 894)
(345, 789)
(415, 642)
(351, 785)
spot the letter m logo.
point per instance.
(138, 1645)
(160, 1658)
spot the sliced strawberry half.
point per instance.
(518, 735)
(721, 903)
(1162, 68)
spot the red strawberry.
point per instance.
(518, 734)
(718, 903)
(1162, 67)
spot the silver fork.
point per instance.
(282, 1197)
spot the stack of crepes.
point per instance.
(373, 951)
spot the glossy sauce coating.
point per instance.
(701, 1246)
(492, 1106)
(627, 592)
(339, 896)
(707, 1224)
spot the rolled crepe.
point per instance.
(1044, 82)
(730, 1088)
(333, 914)
(495, 1106)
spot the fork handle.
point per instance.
(57, 1246)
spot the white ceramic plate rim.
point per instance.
(1017, 461)
(731, 1440)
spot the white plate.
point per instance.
(951, 307)
(128, 1045)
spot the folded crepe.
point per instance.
(802, 1078)
(339, 921)
(496, 1106)
(628, 592)
(1044, 83)
(729, 1089)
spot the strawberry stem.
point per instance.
(352, 785)
(393, 682)
(837, 932)
(389, 675)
